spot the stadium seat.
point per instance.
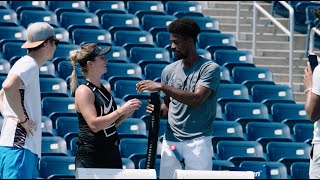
(225, 75)
(138, 54)
(47, 69)
(246, 112)
(4, 5)
(115, 22)
(57, 104)
(125, 88)
(265, 132)
(99, 36)
(4, 66)
(19, 6)
(136, 6)
(132, 126)
(289, 114)
(18, 51)
(181, 14)
(142, 165)
(116, 71)
(72, 20)
(219, 115)
(300, 15)
(54, 5)
(66, 125)
(65, 69)
(156, 23)
(31, 16)
(73, 146)
(117, 54)
(2, 78)
(183, 6)
(62, 35)
(204, 53)
(250, 76)
(232, 93)
(206, 24)
(12, 33)
(63, 50)
(221, 164)
(303, 132)
(270, 94)
(53, 146)
(300, 170)
(226, 130)
(153, 71)
(129, 39)
(46, 126)
(233, 58)
(215, 41)
(163, 39)
(8, 17)
(277, 169)
(99, 7)
(127, 163)
(311, 21)
(129, 146)
(53, 85)
(238, 151)
(57, 166)
(288, 152)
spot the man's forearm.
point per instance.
(14, 100)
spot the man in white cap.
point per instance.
(20, 140)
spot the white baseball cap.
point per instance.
(37, 33)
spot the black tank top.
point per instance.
(104, 104)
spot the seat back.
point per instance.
(56, 165)
(57, 104)
(132, 126)
(53, 146)
(277, 169)
(184, 6)
(66, 125)
(100, 36)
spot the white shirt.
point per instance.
(316, 90)
(11, 135)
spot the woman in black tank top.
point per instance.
(97, 111)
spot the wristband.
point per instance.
(307, 90)
(24, 120)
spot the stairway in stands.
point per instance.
(272, 44)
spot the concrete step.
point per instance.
(227, 12)
(280, 78)
(279, 53)
(262, 60)
(301, 38)
(282, 69)
(233, 4)
(249, 20)
(299, 97)
(260, 28)
(297, 45)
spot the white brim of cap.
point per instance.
(28, 44)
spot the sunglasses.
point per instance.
(56, 41)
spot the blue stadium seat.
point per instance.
(130, 146)
(63, 50)
(138, 54)
(138, 6)
(311, 21)
(221, 164)
(117, 54)
(226, 130)
(8, 17)
(116, 71)
(16, 54)
(66, 125)
(19, 6)
(289, 114)
(300, 170)
(99, 36)
(65, 69)
(4, 5)
(250, 76)
(47, 69)
(55, 115)
(288, 152)
(204, 53)
(54, 5)
(182, 6)
(142, 165)
(101, 7)
(124, 88)
(132, 126)
(163, 39)
(303, 132)
(270, 94)
(225, 75)
(31, 16)
(233, 58)
(277, 169)
(206, 24)
(127, 163)
(63, 35)
(156, 23)
(73, 146)
(46, 126)
(57, 166)
(129, 39)
(53, 146)
(238, 151)
(12, 32)
(232, 93)
(72, 20)
(57, 104)
(300, 15)
(53, 85)
(2, 78)
(153, 71)
(4, 66)
(215, 41)
(265, 132)
(115, 22)
(219, 115)
(246, 112)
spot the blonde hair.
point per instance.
(80, 56)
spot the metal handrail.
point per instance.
(285, 30)
(238, 21)
(311, 42)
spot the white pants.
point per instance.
(197, 155)
(314, 170)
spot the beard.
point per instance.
(178, 56)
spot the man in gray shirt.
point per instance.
(189, 88)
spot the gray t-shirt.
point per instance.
(189, 122)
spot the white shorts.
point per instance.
(314, 172)
(197, 155)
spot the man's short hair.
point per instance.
(185, 27)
